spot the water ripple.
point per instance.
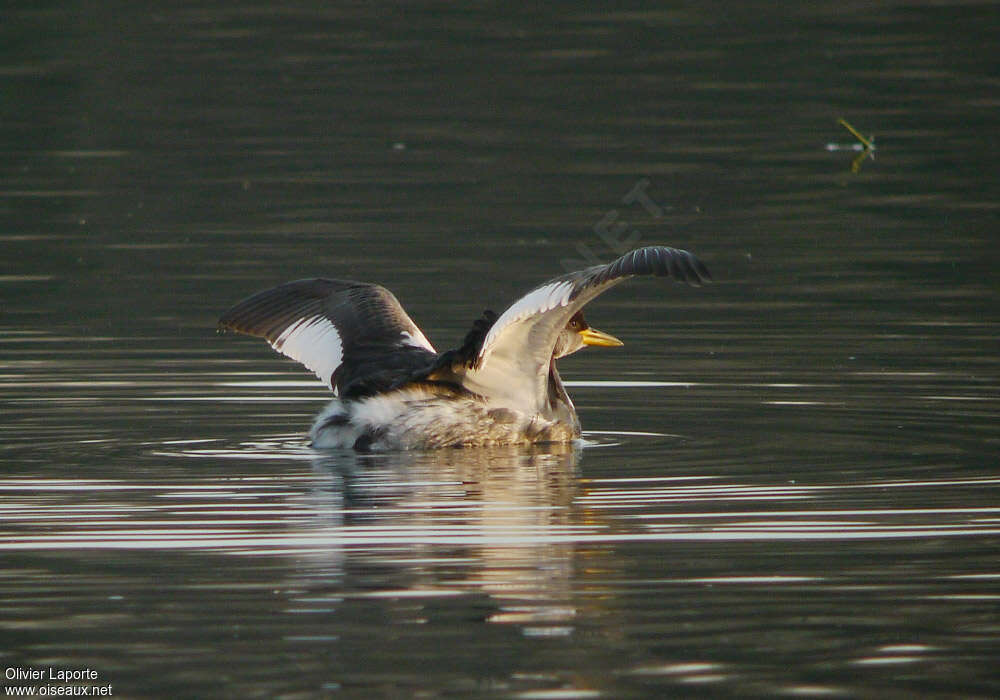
(439, 505)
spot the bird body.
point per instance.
(425, 416)
(394, 391)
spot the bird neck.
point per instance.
(560, 406)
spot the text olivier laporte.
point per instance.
(27, 681)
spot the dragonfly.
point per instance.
(865, 147)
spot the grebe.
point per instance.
(396, 392)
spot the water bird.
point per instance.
(394, 391)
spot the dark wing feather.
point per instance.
(514, 356)
(356, 337)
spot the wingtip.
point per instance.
(700, 275)
(225, 323)
(666, 261)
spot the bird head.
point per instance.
(577, 334)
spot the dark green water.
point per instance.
(791, 481)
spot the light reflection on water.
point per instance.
(525, 542)
(429, 500)
(669, 535)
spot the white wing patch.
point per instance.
(315, 342)
(537, 301)
(417, 340)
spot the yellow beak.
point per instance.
(592, 336)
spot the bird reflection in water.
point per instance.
(446, 523)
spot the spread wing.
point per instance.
(512, 363)
(356, 337)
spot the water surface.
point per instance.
(789, 481)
